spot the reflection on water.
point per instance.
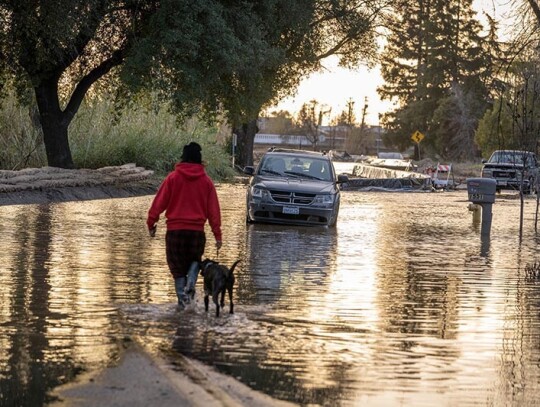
(402, 303)
(64, 268)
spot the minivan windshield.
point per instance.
(296, 166)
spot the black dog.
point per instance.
(217, 279)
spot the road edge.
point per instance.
(149, 378)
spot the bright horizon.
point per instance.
(334, 86)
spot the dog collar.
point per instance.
(208, 265)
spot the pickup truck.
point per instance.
(510, 167)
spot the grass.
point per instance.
(100, 136)
(21, 142)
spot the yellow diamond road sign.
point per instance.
(417, 137)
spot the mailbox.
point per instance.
(481, 190)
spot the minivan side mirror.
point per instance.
(342, 179)
(249, 170)
(484, 161)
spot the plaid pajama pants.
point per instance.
(183, 247)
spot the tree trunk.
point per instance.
(54, 125)
(245, 134)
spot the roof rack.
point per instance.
(294, 151)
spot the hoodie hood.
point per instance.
(190, 170)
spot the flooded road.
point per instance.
(401, 304)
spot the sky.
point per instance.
(334, 86)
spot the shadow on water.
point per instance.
(402, 303)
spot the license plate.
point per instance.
(291, 210)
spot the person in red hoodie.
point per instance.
(188, 198)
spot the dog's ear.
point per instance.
(204, 265)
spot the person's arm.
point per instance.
(214, 215)
(159, 204)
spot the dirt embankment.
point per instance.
(50, 184)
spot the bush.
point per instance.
(150, 137)
(21, 140)
(100, 136)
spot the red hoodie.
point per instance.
(189, 198)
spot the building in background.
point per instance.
(355, 140)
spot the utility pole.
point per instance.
(364, 112)
(363, 122)
(321, 115)
(350, 112)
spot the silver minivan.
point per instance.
(294, 187)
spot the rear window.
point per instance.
(511, 157)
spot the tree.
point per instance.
(494, 130)
(298, 35)
(232, 57)
(63, 48)
(347, 116)
(514, 120)
(343, 125)
(281, 42)
(309, 120)
(511, 122)
(439, 69)
(41, 41)
(279, 122)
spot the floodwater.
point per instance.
(403, 303)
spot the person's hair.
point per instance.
(192, 153)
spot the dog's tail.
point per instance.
(233, 266)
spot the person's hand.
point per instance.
(219, 243)
(152, 231)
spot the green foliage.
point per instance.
(146, 134)
(210, 56)
(265, 48)
(495, 131)
(455, 122)
(21, 143)
(189, 48)
(439, 69)
(403, 122)
(513, 121)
